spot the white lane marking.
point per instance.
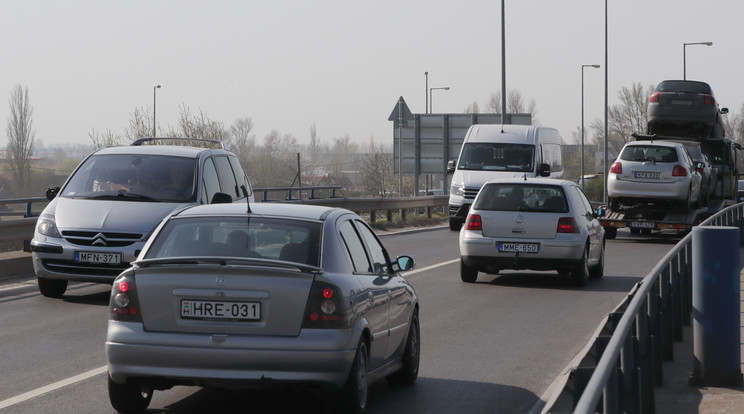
(52, 387)
(424, 269)
(97, 371)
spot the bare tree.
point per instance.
(624, 119)
(472, 108)
(140, 124)
(105, 139)
(242, 142)
(275, 164)
(376, 168)
(514, 104)
(20, 134)
(734, 125)
(200, 127)
(315, 145)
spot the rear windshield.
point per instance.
(649, 153)
(254, 237)
(684, 86)
(497, 157)
(134, 177)
(521, 197)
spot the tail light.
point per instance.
(325, 308)
(124, 304)
(616, 168)
(709, 100)
(474, 222)
(654, 97)
(567, 225)
(679, 171)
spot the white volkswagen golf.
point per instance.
(535, 224)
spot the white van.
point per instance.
(500, 151)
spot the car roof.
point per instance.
(170, 150)
(531, 181)
(288, 210)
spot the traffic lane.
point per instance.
(462, 368)
(519, 329)
(45, 340)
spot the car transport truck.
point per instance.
(644, 214)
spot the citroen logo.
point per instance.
(221, 282)
(519, 219)
(99, 240)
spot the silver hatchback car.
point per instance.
(660, 172)
(536, 224)
(237, 296)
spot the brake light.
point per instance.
(124, 304)
(325, 308)
(474, 222)
(679, 171)
(567, 225)
(709, 100)
(616, 168)
(654, 97)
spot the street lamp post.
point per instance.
(582, 120)
(684, 55)
(154, 89)
(426, 107)
(446, 88)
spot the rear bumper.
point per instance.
(322, 357)
(676, 190)
(555, 254)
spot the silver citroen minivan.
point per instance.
(101, 217)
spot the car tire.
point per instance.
(597, 271)
(581, 273)
(468, 274)
(455, 224)
(52, 288)
(129, 397)
(352, 398)
(411, 355)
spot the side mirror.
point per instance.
(601, 211)
(543, 170)
(724, 111)
(404, 263)
(450, 166)
(700, 166)
(51, 192)
(218, 198)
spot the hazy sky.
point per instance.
(343, 64)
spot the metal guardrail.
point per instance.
(23, 229)
(27, 201)
(620, 368)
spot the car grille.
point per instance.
(98, 239)
(71, 268)
(471, 192)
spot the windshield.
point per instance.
(134, 177)
(255, 237)
(497, 157)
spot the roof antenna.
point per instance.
(247, 199)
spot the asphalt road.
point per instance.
(494, 346)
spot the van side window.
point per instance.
(240, 177)
(211, 182)
(228, 184)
